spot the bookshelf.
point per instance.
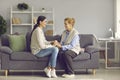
(22, 21)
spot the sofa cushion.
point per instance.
(82, 56)
(84, 40)
(17, 42)
(23, 56)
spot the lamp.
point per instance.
(111, 32)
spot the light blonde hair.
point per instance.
(70, 20)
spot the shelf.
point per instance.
(34, 24)
(43, 12)
(27, 18)
(21, 24)
(21, 12)
(50, 24)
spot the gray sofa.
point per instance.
(26, 61)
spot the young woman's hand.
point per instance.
(57, 44)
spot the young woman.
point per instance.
(70, 46)
(40, 47)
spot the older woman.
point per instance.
(69, 46)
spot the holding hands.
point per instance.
(56, 43)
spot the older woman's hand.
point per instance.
(57, 44)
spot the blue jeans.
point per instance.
(53, 52)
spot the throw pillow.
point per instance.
(17, 42)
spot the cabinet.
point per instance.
(0, 61)
(112, 54)
(23, 21)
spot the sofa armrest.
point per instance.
(91, 49)
(5, 49)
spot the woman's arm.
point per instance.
(41, 40)
(72, 44)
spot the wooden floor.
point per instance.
(101, 74)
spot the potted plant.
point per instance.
(3, 25)
(22, 6)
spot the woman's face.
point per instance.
(68, 26)
(43, 23)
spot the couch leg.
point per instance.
(86, 70)
(6, 72)
(93, 71)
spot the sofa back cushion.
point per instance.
(4, 40)
(51, 38)
(28, 41)
(86, 39)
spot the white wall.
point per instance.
(92, 16)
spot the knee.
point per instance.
(65, 54)
(55, 49)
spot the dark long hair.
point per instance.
(40, 18)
